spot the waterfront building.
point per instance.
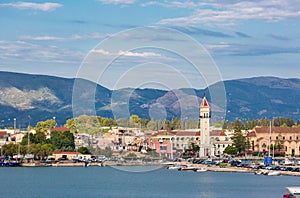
(219, 141)
(69, 155)
(286, 139)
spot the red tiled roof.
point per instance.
(60, 129)
(187, 133)
(2, 133)
(251, 134)
(163, 133)
(204, 102)
(65, 153)
(215, 133)
(223, 133)
(277, 130)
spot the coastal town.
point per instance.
(208, 145)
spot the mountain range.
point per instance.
(31, 98)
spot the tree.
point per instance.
(231, 150)
(194, 147)
(64, 141)
(238, 125)
(151, 125)
(71, 124)
(10, 149)
(135, 120)
(279, 143)
(39, 138)
(25, 139)
(44, 126)
(84, 150)
(239, 141)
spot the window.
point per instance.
(286, 148)
(290, 137)
(163, 148)
(297, 138)
(283, 138)
(276, 137)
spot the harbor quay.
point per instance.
(223, 167)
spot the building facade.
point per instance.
(285, 139)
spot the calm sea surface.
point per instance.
(109, 182)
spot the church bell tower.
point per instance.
(205, 145)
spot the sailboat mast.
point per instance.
(28, 142)
(270, 139)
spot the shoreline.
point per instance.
(210, 168)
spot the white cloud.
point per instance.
(47, 6)
(42, 38)
(117, 1)
(177, 4)
(94, 35)
(127, 53)
(24, 51)
(231, 12)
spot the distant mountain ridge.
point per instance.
(31, 98)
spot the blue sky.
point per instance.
(242, 38)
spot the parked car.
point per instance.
(246, 165)
(289, 168)
(283, 168)
(295, 170)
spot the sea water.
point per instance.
(158, 183)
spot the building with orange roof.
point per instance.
(287, 137)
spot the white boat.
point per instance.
(293, 192)
(288, 162)
(261, 172)
(173, 167)
(187, 168)
(200, 170)
(274, 173)
(269, 173)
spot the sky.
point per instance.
(157, 44)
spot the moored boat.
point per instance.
(200, 170)
(293, 192)
(274, 173)
(187, 168)
(173, 167)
